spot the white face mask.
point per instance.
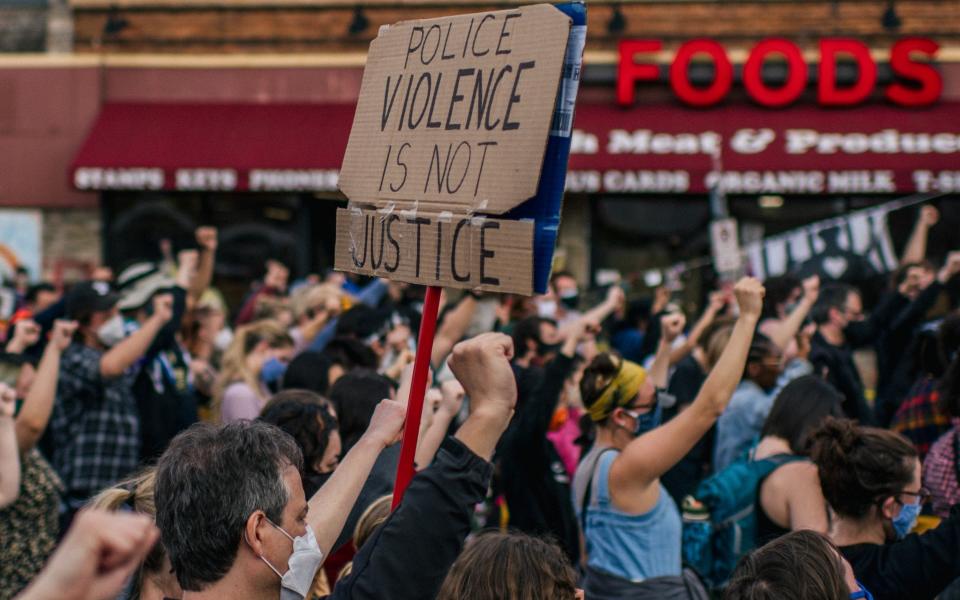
(302, 565)
(223, 339)
(547, 308)
(112, 332)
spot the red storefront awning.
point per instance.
(214, 147)
(804, 149)
(746, 149)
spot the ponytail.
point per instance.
(860, 466)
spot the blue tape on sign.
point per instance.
(544, 208)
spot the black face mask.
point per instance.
(857, 330)
(545, 349)
(571, 302)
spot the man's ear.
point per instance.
(252, 532)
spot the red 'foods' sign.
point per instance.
(917, 83)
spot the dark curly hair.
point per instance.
(305, 415)
(860, 466)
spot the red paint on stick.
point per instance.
(418, 388)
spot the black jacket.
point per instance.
(533, 478)
(408, 557)
(897, 351)
(916, 568)
(842, 374)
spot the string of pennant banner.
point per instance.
(863, 232)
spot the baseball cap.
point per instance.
(89, 297)
(139, 282)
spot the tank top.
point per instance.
(632, 546)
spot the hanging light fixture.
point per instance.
(359, 23)
(115, 23)
(617, 22)
(891, 20)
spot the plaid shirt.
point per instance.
(920, 417)
(94, 426)
(940, 473)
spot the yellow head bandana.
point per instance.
(620, 391)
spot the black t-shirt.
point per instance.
(683, 478)
(917, 567)
(165, 398)
(534, 481)
(842, 374)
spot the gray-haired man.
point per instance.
(233, 517)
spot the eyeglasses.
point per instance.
(853, 315)
(922, 495)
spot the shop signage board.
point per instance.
(918, 82)
(450, 134)
(807, 150)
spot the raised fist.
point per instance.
(8, 399)
(671, 326)
(26, 333)
(163, 307)
(207, 238)
(62, 334)
(811, 288)
(749, 293)
(386, 424)
(482, 365)
(929, 215)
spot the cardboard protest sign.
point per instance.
(451, 127)
(454, 112)
(476, 253)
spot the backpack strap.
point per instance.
(588, 494)
(956, 454)
(778, 460)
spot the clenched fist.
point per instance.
(62, 334)
(386, 424)
(207, 238)
(811, 288)
(8, 400)
(482, 366)
(671, 326)
(749, 293)
(163, 307)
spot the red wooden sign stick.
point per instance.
(418, 388)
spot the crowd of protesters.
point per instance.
(154, 444)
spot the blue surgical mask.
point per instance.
(863, 593)
(647, 421)
(904, 522)
(272, 371)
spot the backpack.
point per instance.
(719, 521)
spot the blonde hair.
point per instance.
(234, 367)
(373, 517)
(715, 345)
(270, 308)
(312, 296)
(135, 491)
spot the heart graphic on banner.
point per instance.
(835, 266)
